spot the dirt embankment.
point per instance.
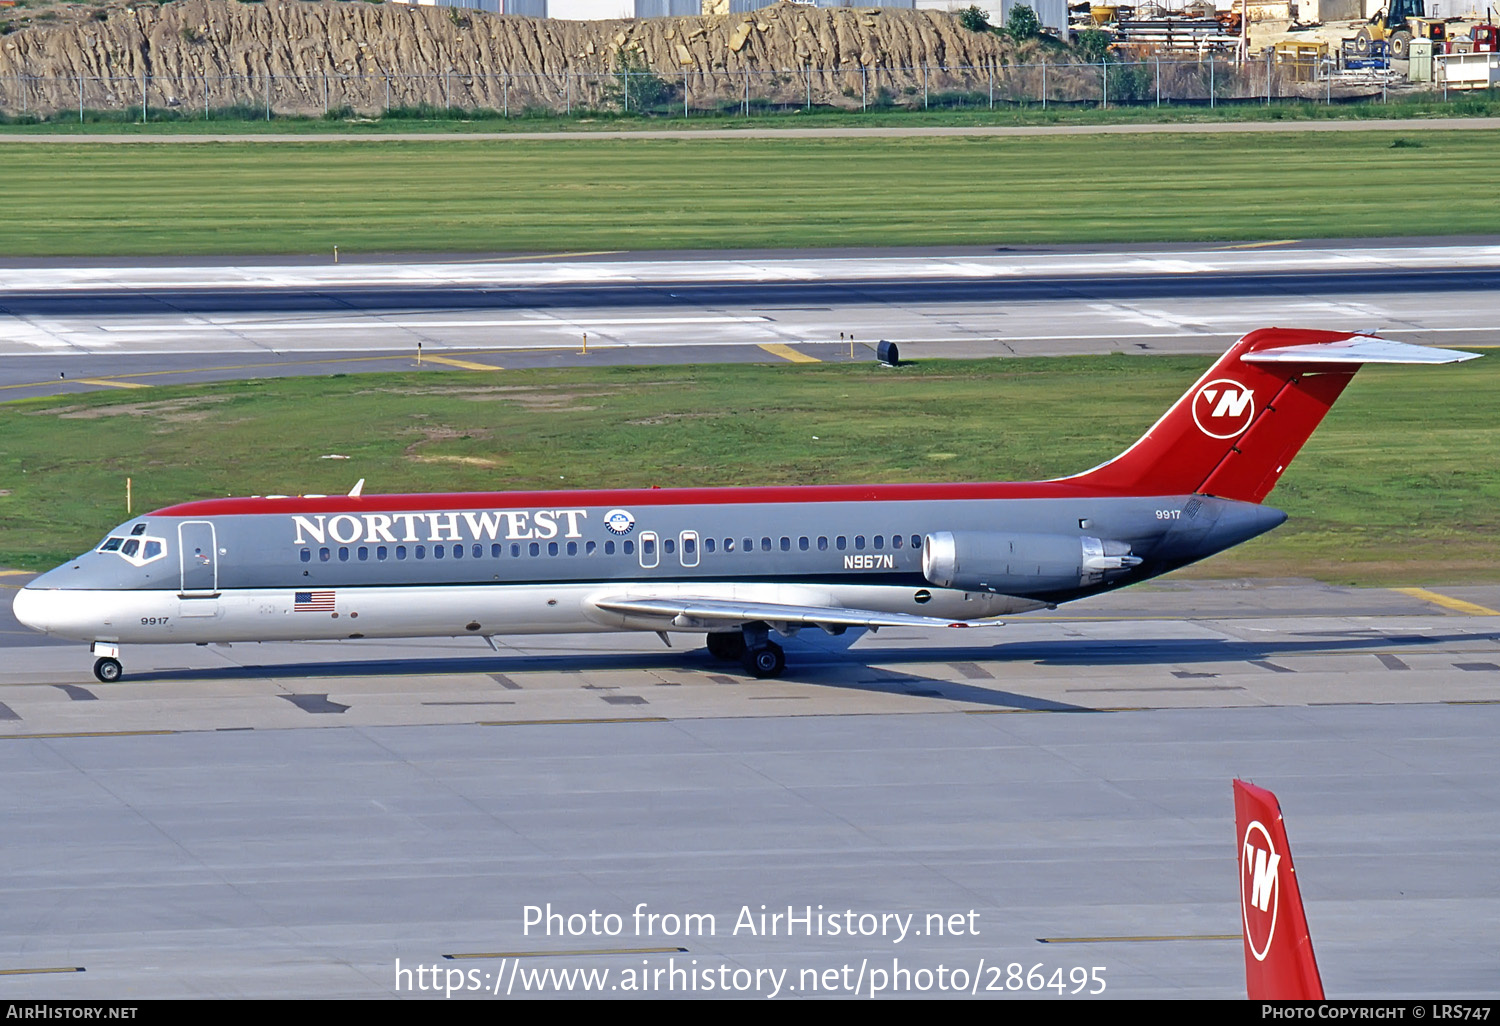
(180, 46)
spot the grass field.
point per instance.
(634, 194)
(437, 120)
(1399, 486)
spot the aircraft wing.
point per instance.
(692, 613)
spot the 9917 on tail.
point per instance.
(736, 564)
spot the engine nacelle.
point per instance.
(1020, 564)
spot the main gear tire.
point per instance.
(766, 661)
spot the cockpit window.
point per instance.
(138, 551)
(138, 529)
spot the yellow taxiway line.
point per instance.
(1142, 939)
(461, 364)
(106, 383)
(1260, 245)
(788, 353)
(1448, 602)
(565, 953)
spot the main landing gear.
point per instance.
(107, 667)
(760, 656)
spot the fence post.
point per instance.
(1104, 88)
(992, 85)
(1210, 81)
(864, 89)
(924, 86)
(809, 87)
(387, 93)
(747, 92)
(269, 76)
(145, 82)
(1158, 80)
(80, 99)
(627, 90)
(1268, 78)
(205, 97)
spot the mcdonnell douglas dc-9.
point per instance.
(737, 564)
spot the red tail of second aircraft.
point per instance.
(1279, 962)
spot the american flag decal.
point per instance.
(312, 602)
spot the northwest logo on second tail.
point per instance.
(1260, 888)
(1223, 408)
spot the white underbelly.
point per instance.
(156, 617)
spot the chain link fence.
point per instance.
(1158, 82)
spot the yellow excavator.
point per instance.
(1397, 24)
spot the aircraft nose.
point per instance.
(37, 608)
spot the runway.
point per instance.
(70, 328)
(310, 814)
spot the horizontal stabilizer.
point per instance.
(699, 612)
(1358, 349)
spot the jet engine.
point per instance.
(1020, 564)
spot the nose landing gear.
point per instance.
(107, 667)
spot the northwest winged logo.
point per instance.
(1223, 408)
(1260, 890)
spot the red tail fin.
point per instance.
(1279, 963)
(1234, 432)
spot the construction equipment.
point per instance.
(1397, 24)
